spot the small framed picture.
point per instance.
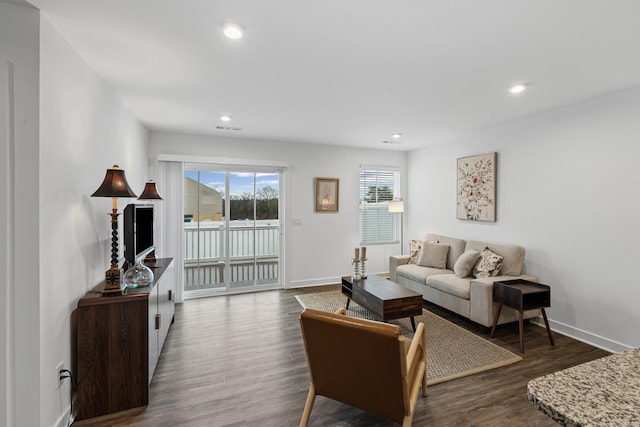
(327, 194)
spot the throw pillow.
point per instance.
(433, 255)
(414, 251)
(488, 265)
(415, 247)
(464, 264)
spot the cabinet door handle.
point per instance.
(157, 321)
(170, 295)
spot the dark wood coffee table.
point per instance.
(386, 299)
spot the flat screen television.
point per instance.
(138, 231)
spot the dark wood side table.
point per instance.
(522, 295)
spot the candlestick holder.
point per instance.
(356, 268)
(363, 268)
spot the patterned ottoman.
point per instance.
(603, 392)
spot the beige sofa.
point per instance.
(468, 296)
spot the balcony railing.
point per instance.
(204, 254)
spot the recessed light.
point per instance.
(232, 31)
(396, 135)
(225, 118)
(393, 141)
(517, 88)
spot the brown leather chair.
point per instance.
(366, 364)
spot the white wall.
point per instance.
(84, 129)
(319, 250)
(567, 190)
(19, 274)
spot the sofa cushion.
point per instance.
(489, 264)
(464, 265)
(451, 284)
(456, 247)
(434, 255)
(513, 255)
(415, 249)
(417, 273)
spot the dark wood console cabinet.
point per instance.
(119, 340)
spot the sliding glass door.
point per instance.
(232, 229)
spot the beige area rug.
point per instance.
(452, 351)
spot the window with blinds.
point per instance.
(378, 185)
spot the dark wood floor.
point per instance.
(239, 361)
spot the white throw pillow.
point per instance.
(464, 265)
(434, 255)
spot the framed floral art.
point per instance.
(476, 197)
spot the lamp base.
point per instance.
(112, 282)
(151, 256)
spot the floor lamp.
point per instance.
(397, 206)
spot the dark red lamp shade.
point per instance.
(150, 192)
(114, 185)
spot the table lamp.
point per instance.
(114, 185)
(139, 274)
(150, 192)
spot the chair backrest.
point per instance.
(358, 362)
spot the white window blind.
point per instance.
(378, 185)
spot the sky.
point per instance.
(239, 182)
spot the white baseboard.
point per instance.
(583, 336)
(314, 282)
(63, 420)
(321, 281)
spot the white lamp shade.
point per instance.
(396, 206)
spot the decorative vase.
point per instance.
(356, 268)
(363, 268)
(138, 276)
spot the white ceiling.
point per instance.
(351, 72)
